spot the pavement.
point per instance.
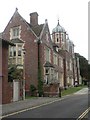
(82, 91)
(32, 103)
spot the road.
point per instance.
(70, 107)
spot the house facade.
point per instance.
(54, 55)
(19, 32)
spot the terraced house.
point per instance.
(40, 55)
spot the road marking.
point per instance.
(31, 108)
(83, 114)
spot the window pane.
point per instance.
(19, 53)
(15, 32)
(47, 52)
(19, 50)
(10, 53)
(14, 51)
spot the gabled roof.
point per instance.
(37, 29)
(16, 40)
(28, 25)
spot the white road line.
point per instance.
(83, 114)
(31, 108)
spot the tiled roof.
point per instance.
(48, 64)
(16, 40)
(37, 29)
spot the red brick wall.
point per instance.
(31, 61)
(1, 73)
(0, 90)
(6, 94)
(51, 90)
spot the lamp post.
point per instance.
(24, 51)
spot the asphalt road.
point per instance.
(70, 107)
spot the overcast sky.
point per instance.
(72, 14)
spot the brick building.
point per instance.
(54, 55)
(5, 88)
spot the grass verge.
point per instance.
(71, 90)
(30, 97)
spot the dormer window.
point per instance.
(15, 32)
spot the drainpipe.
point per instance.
(64, 63)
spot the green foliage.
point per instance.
(40, 82)
(14, 73)
(89, 72)
(32, 89)
(83, 66)
(72, 90)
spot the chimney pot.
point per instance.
(34, 18)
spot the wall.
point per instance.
(6, 89)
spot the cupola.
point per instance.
(58, 28)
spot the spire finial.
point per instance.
(16, 9)
(58, 21)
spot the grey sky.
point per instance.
(72, 14)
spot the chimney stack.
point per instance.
(34, 18)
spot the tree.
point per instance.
(83, 66)
(14, 73)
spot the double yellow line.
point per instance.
(83, 114)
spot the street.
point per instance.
(70, 107)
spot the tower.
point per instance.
(59, 35)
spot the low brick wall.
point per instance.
(51, 90)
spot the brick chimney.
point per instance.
(34, 18)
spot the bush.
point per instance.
(32, 90)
